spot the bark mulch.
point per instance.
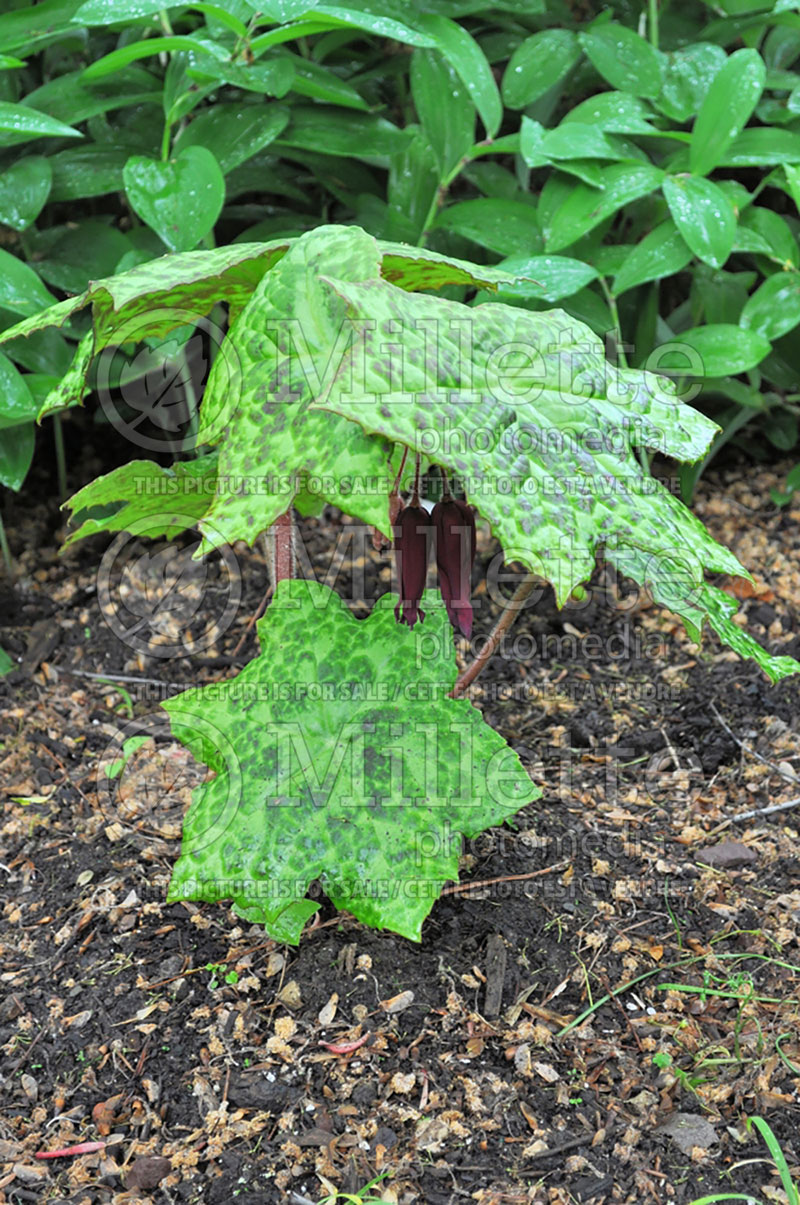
(593, 1011)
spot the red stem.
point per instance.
(283, 535)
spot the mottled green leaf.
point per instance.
(319, 128)
(153, 501)
(256, 402)
(339, 759)
(549, 500)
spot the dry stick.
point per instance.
(770, 811)
(753, 752)
(458, 888)
(512, 609)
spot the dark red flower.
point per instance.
(454, 524)
(411, 547)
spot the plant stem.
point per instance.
(284, 554)
(441, 191)
(510, 613)
(612, 306)
(61, 460)
(652, 8)
(6, 551)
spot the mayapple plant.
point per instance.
(345, 752)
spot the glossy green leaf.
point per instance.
(781, 429)
(80, 252)
(584, 207)
(780, 243)
(387, 22)
(537, 64)
(21, 290)
(445, 108)
(704, 216)
(624, 59)
(793, 183)
(72, 99)
(87, 171)
(551, 277)
(506, 227)
(273, 78)
(716, 351)
(318, 128)
(661, 253)
(17, 404)
(468, 60)
(19, 123)
(181, 199)
(133, 51)
(774, 309)
(760, 146)
(24, 187)
(234, 132)
(574, 140)
(690, 72)
(614, 112)
(728, 106)
(16, 453)
(413, 184)
(336, 781)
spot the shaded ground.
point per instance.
(496, 1069)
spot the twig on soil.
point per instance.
(510, 613)
(459, 888)
(24, 1058)
(81, 1148)
(561, 1149)
(753, 752)
(137, 681)
(768, 811)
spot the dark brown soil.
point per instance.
(498, 1065)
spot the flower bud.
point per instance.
(411, 547)
(454, 524)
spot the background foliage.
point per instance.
(643, 165)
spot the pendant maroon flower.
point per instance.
(411, 547)
(454, 524)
